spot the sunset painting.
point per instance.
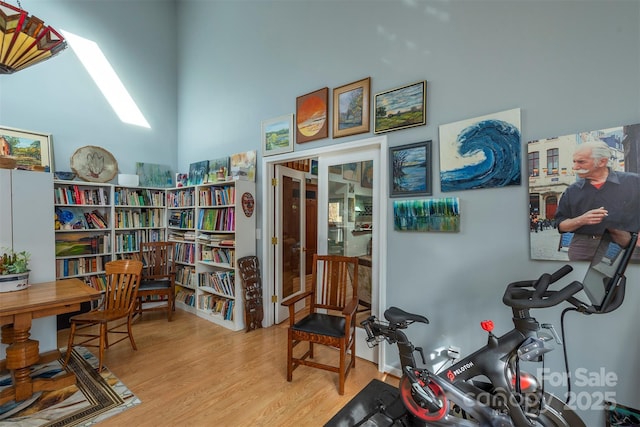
(312, 115)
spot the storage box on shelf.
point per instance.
(83, 230)
(139, 216)
(224, 233)
(181, 229)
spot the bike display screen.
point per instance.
(607, 266)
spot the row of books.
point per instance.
(185, 253)
(98, 282)
(186, 276)
(218, 255)
(181, 219)
(222, 282)
(216, 240)
(217, 219)
(218, 196)
(74, 195)
(216, 305)
(78, 266)
(182, 236)
(181, 199)
(138, 197)
(77, 244)
(187, 297)
(128, 218)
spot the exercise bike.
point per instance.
(488, 388)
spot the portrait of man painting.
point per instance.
(579, 185)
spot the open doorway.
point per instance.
(358, 210)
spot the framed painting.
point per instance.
(312, 116)
(620, 415)
(427, 215)
(218, 169)
(277, 135)
(153, 175)
(243, 165)
(483, 152)
(351, 171)
(400, 108)
(351, 108)
(410, 170)
(198, 171)
(31, 150)
(367, 174)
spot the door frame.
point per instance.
(268, 224)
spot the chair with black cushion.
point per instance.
(331, 317)
(118, 304)
(157, 287)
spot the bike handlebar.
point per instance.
(535, 293)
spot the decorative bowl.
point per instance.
(67, 176)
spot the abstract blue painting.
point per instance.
(484, 152)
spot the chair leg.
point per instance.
(130, 332)
(69, 344)
(342, 370)
(170, 306)
(290, 358)
(103, 342)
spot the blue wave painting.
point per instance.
(485, 154)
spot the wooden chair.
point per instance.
(331, 319)
(118, 303)
(157, 287)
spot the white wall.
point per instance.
(569, 66)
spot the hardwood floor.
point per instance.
(190, 372)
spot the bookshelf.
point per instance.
(139, 216)
(83, 230)
(181, 229)
(224, 233)
(100, 222)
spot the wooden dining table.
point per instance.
(17, 310)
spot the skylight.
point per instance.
(106, 78)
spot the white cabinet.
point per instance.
(26, 224)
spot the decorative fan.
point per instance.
(94, 164)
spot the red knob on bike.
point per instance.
(487, 325)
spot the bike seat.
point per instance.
(396, 315)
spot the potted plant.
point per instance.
(14, 271)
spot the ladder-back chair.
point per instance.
(158, 284)
(118, 303)
(331, 319)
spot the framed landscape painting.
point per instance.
(277, 135)
(31, 150)
(410, 169)
(312, 116)
(400, 108)
(351, 108)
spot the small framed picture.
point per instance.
(312, 116)
(410, 170)
(351, 108)
(400, 108)
(31, 150)
(277, 135)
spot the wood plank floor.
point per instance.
(190, 372)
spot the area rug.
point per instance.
(94, 397)
(377, 404)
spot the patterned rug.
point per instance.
(93, 398)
